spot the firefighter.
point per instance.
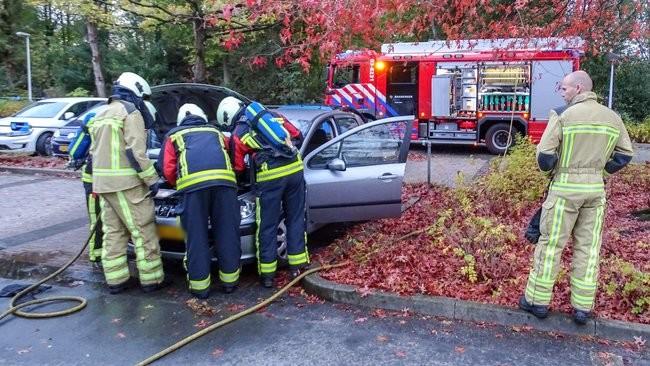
(80, 158)
(580, 145)
(280, 186)
(194, 159)
(125, 180)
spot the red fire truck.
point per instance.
(460, 92)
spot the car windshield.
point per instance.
(42, 110)
(301, 118)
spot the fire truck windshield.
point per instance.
(344, 75)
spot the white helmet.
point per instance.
(228, 109)
(134, 83)
(190, 109)
(152, 110)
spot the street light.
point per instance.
(29, 65)
(612, 58)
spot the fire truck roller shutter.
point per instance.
(545, 80)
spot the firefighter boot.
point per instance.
(540, 311)
(156, 286)
(267, 281)
(295, 271)
(581, 316)
(119, 288)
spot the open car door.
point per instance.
(358, 175)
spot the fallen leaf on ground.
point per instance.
(360, 320)
(24, 350)
(116, 320)
(235, 308)
(382, 338)
(400, 354)
(201, 308)
(202, 324)
(120, 335)
(217, 352)
(77, 283)
(459, 349)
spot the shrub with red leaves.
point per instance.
(468, 243)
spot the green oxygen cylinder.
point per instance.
(515, 105)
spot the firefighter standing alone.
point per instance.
(125, 180)
(280, 186)
(193, 157)
(580, 145)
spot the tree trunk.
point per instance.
(199, 47)
(100, 84)
(226, 71)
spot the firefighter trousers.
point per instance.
(217, 206)
(92, 205)
(564, 214)
(130, 214)
(275, 198)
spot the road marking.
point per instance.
(41, 233)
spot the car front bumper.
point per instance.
(19, 144)
(60, 148)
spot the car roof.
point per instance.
(71, 99)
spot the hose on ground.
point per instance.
(15, 309)
(234, 317)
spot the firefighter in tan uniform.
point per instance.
(581, 144)
(126, 181)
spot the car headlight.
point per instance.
(20, 129)
(71, 135)
(246, 208)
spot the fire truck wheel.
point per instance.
(498, 138)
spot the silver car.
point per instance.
(353, 170)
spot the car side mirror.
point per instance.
(336, 164)
(68, 115)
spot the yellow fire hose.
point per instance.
(237, 316)
(15, 309)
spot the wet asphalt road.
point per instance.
(36, 212)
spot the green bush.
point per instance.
(517, 177)
(79, 92)
(639, 132)
(9, 107)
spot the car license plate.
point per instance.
(63, 148)
(171, 233)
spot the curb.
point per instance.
(473, 311)
(43, 171)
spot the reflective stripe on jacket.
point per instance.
(194, 156)
(119, 149)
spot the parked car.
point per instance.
(63, 136)
(31, 129)
(353, 171)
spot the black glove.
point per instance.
(75, 164)
(153, 189)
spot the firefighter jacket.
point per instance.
(119, 149)
(583, 143)
(268, 164)
(80, 150)
(193, 156)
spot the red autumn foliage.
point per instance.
(32, 161)
(480, 254)
(308, 28)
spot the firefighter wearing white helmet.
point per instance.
(229, 110)
(194, 159)
(280, 184)
(122, 176)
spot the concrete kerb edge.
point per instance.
(472, 311)
(42, 171)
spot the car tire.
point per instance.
(44, 144)
(282, 244)
(497, 138)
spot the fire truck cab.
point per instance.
(460, 92)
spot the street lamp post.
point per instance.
(29, 64)
(612, 58)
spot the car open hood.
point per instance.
(169, 98)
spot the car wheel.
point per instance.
(44, 144)
(282, 243)
(498, 138)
